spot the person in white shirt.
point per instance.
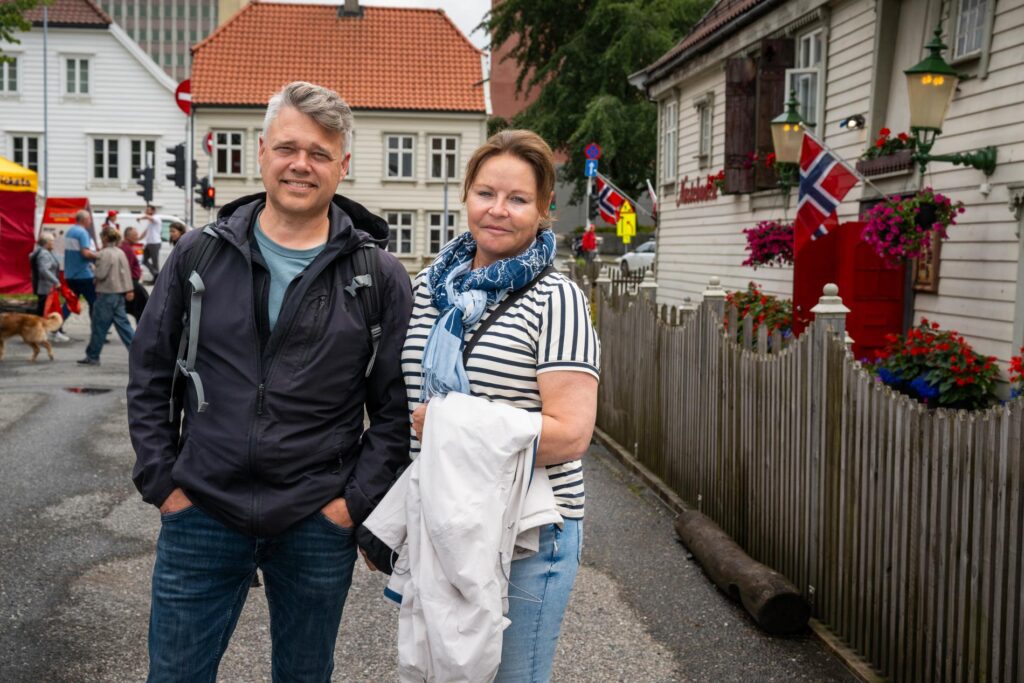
(150, 228)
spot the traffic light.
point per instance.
(177, 162)
(592, 208)
(144, 178)
(206, 193)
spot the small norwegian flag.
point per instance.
(824, 181)
(608, 201)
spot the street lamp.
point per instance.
(931, 85)
(788, 139)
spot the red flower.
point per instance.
(880, 143)
(885, 132)
(903, 137)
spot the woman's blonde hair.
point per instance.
(524, 145)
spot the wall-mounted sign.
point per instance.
(700, 190)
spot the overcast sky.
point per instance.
(466, 14)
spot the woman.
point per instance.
(45, 270)
(174, 233)
(113, 289)
(541, 355)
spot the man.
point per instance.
(113, 288)
(137, 304)
(78, 258)
(277, 471)
(151, 235)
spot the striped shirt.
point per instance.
(547, 329)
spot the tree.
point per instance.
(580, 54)
(12, 20)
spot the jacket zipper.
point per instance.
(254, 506)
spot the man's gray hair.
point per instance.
(322, 104)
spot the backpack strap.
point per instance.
(366, 287)
(188, 345)
(502, 307)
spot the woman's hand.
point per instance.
(419, 418)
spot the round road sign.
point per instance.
(592, 151)
(183, 96)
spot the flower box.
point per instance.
(900, 161)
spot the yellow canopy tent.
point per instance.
(18, 187)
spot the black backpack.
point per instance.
(364, 286)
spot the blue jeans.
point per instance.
(201, 579)
(109, 308)
(539, 589)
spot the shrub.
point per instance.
(766, 310)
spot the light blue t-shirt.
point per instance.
(284, 264)
(76, 267)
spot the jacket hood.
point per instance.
(352, 223)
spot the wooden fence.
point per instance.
(903, 526)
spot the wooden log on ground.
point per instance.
(770, 598)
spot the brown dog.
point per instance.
(32, 329)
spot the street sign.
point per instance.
(625, 226)
(208, 143)
(183, 96)
(592, 151)
(590, 168)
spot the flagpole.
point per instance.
(626, 196)
(849, 168)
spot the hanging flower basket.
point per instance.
(888, 154)
(901, 229)
(770, 243)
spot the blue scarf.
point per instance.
(462, 295)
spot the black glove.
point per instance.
(382, 557)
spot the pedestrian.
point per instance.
(270, 467)
(540, 355)
(151, 237)
(137, 305)
(79, 254)
(589, 245)
(46, 277)
(113, 289)
(110, 221)
(174, 232)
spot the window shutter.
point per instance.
(777, 55)
(740, 101)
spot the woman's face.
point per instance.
(502, 210)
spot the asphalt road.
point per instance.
(77, 551)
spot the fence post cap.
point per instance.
(714, 289)
(830, 302)
(649, 282)
(714, 282)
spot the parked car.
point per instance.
(637, 260)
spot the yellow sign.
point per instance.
(15, 178)
(625, 227)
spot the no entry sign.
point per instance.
(183, 96)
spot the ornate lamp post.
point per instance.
(787, 138)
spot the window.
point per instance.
(9, 76)
(444, 157)
(401, 231)
(77, 79)
(104, 158)
(228, 152)
(143, 153)
(669, 146)
(399, 156)
(805, 77)
(705, 113)
(969, 38)
(436, 220)
(26, 151)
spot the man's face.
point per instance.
(149, 210)
(301, 164)
(130, 235)
(85, 220)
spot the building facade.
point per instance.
(420, 105)
(718, 89)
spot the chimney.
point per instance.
(351, 8)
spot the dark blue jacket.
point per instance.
(283, 434)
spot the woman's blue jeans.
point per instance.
(108, 310)
(202, 576)
(539, 589)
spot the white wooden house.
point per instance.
(416, 85)
(109, 106)
(720, 86)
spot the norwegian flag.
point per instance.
(608, 201)
(824, 181)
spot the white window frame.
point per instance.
(7, 70)
(705, 108)
(809, 62)
(435, 219)
(445, 151)
(401, 151)
(222, 142)
(147, 145)
(960, 16)
(21, 157)
(669, 140)
(111, 173)
(73, 87)
(403, 231)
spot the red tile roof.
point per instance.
(71, 14)
(388, 58)
(714, 24)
